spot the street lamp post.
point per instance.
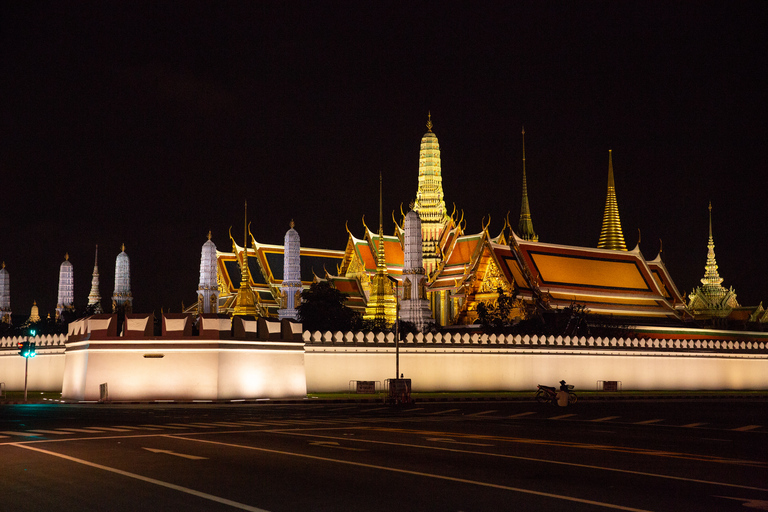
(397, 327)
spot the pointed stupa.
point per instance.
(414, 305)
(66, 297)
(246, 303)
(712, 298)
(208, 285)
(430, 205)
(121, 297)
(94, 298)
(290, 288)
(611, 236)
(381, 307)
(5, 295)
(525, 226)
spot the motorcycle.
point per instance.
(548, 394)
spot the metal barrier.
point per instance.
(608, 385)
(369, 387)
(2, 389)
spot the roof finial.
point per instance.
(66, 256)
(429, 121)
(525, 226)
(710, 219)
(122, 247)
(291, 224)
(209, 234)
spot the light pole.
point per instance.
(397, 327)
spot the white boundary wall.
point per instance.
(464, 362)
(443, 362)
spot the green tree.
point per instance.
(322, 309)
(496, 315)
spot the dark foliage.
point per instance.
(322, 309)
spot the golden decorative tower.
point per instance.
(712, 299)
(525, 227)
(382, 305)
(245, 303)
(611, 236)
(429, 202)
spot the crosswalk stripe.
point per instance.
(113, 429)
(747, 427)
(130, 428)
(521, 414)
(195, 425)
(648, 422)
(441, 412)
(22, 434)
(692, 425)
(56, 432)
(561, 416)
(90, 430)
(607, 418)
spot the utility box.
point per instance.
(399, 391)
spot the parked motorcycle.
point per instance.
(548, 394)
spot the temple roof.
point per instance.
(606, 281)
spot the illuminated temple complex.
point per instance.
(461, 270)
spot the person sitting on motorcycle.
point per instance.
(563, 386)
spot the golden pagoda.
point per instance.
(429, 203)
(712, 299)
(611, 236)
(381, 307)
(246, 303)
(525, 226)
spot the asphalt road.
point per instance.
(665, 455)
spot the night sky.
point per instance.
(150, 124)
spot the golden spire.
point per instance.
(122, 248)
(291, 224)
(209, 234)
(525, 226)
(382, 305)
(429, 121)
(245, 303)
(66, 256)
(611, 236)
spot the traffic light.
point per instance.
(27, 349)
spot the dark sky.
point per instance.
(151, 123)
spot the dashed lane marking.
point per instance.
(113, 429)
(746, 428)
(481, 413)
(562, 416)
(441, 412)
(193, 492)
(194, 425)
(607, 418)
(22, 434)
(164, 426)
(520, 415)
(55, 432)
(648, 422)
(693, 425)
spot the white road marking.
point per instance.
(521, 414)
(334, 444)
(561, 416)
(422, 474)
(607, 418)
(453, 441)
(164, 426)
(113, 429)
(481, 413)
(193, 425)
(693, 425)
(648, 422)
(745, 428)
(515, 457)
(56, 432)
(211, 497)
(89, 430)
(22, 434)
(441, 412)
(169, 452)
